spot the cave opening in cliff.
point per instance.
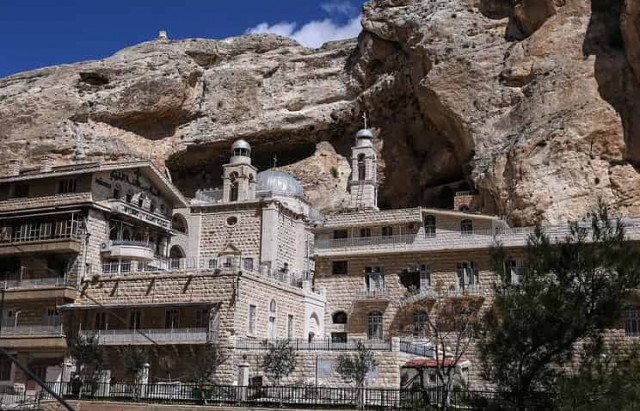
(200, 166)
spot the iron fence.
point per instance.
(290, 396)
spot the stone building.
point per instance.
(239, 269)
(61, 227)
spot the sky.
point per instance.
(38, 33)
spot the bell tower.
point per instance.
(364, 185)
(239, 176)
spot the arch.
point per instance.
(374, 326)
(339, 317)
(176, 251)
(466, 226)
(179, 224)
(272, 306)
(233, 181)
(362, 167)
(314, 326)
(430, 225)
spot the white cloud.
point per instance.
(313, 34)
(339, 7)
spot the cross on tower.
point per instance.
(275, 160)
(364, 117)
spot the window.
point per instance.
(272, 307)
(339, 317)
(374, 326)
(429, 225)
(117, 191)
(290, 326)
(172, 318)
(231, 221)
(466, 227)
(141, 199)
(373, 278)
(340, 234)
(416, 277)
(67, 185)
(362, 169)
(272, 320)
(125, 266)
(50, 317)
(5, 369)
(102, 321)
(419, 324)
(233, 192)
(339, 267)
(387, 231)
(202, 318)
(632, 322)
(21, 190)
(514, 271)
(129, 196)
(134, 320)
(365, 232)
(338, 338)
(467, 274)
(213, 263)
(251, 329)
(248, 264)
(153, 206)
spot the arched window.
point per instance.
(233, 193)
(374, 326)
(179, 224)
(141, 199)
(272, 306)
(339, 317)
(176, 253)
(117, 191)
(129, 196)
(430, 225)
(466, 226)
(362, 168)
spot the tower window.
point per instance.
(233, 192)
(362, 175)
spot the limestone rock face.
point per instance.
(536, 103)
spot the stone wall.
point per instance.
(16, 204)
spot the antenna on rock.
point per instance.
(162, 35)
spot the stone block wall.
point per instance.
(216, 232)
(44, 201)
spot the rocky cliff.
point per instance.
(535, 103)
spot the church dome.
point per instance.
(241, 144)
(279, 183)
(364, 133)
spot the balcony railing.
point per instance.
(32, 331)
(131, 210)
(373, 294)
(34, 283)
(159, 336)
(419, 295)
(41, 231)
(136, 250)
(316, 345)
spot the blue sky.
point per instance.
(38, 33)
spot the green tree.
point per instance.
(90, 359)
(206, 364)
(279, 360)
(134, 359)
(355, 367)
(571, 290)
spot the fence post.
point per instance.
(243, 379)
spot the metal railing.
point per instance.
(316, 345)
(32, 331)
(139, 213)
(423, 350)
(146, 244)
(161, 335)
(292, 396)
(373, 293)
(41, 231)
(34, 283)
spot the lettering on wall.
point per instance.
(134, 181)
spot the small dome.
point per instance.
(364, 133)
(279, 183)
(240, 144)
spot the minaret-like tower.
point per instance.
(239, 176)
(363, 185)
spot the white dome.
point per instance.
(279, 183)
(364, 133)
(241, 144)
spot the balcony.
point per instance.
(159, 336)
(422, 294)
(373, 295)
(33, 337)
(127, 249)
(130, 210)
(49, 282)
(42, 237)
(46, 288)
(469, 290)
